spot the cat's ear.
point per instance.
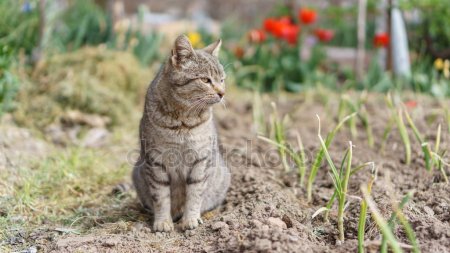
(214, 48)
(182, 50)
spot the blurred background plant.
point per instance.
(19, 25)
(290, 48)
(273, 59)
(8, 81)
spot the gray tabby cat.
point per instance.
(180, 172)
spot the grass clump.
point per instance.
(340, 179)
(56, 189)
(432, 158)
(320, 154)
(381, 222)
(92, 80)
(299, 156)
(387, 227)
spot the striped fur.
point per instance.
(180, 172)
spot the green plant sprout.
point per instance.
(330, 202)
(397, 118)
(258, 115)
(340, 181)
(431, 158)
(398, 214)
(298, 157)
(358, 107)
(386, 231)
(363, 213)
(319, 155)
(301, 163)
(278, 128)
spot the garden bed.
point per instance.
(266, 210)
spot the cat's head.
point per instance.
(196, 76)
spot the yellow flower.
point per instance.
(195, 38)
(438, 64)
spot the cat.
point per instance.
(180, 173)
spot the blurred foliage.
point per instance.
(266, 61)
(429, 30)
(424, 78)
(258, 70)
(146, 48)
(82, 23)
(90, 80)
(67, 76)
(85, 23)
(19, 25)
(343, 22)
(8, 81)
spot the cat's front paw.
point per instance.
(190, 223)
(163, 226)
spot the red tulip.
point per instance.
(411, 104)
(290, 33)
(381, 40)
(257, 35)
(324, 35)
(270, 24)
(307, 16)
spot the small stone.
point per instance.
(256, 223)
(276, 222)
(190, 232)
(428, 210)
(287, 220)
(263, 245)
(219, 225)
(109, 242)
(138, 226)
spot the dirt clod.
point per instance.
(276, 222)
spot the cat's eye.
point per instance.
(205, 80)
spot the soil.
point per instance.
(266, 210)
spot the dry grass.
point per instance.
(71, 187)
(90, 80)
(59, 189)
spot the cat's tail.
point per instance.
(121, 189)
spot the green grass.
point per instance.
(58, 189)
(279, 136)
(431, 158)
(320, 154)
(397, 118)
(381, 222)
(363, 214)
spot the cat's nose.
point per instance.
(221, 93)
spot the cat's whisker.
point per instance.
(222, 101)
